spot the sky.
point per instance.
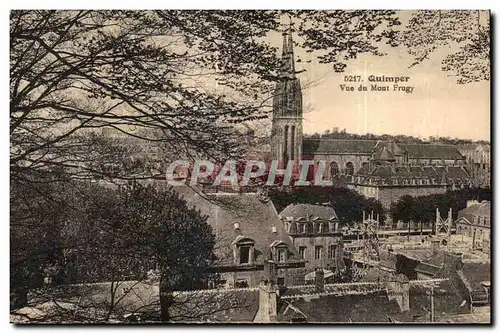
(438, 106)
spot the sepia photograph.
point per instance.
(250, 167)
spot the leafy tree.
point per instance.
(466, 33)
(109, 234)
(142, 228)
(423, 208)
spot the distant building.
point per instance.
(475, 221)
(388, 182)
(478, 158)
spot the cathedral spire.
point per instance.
(286, 134)
(287, 57)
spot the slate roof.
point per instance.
(383, 155)
(370, 308)
(447, 301)
(475, 273)
(385, 174)
(427, 268)
(434, 151)
(308, 212)
(354, 146)
(217, 306)
(374, 306)
(338, 146)
(424, 255)
(480, 209)
(256, 221)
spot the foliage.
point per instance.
(110, 234)
(401, 138)
(423, 208)
(348, 204)
(466, 33)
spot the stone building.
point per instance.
(475, 221)
(388, 181)
(248, 232)
(478, 158)
(315, 233)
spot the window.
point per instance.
(302, 252)
(304, 228)
(349, 168)
(334, 169)
(245, 254)
(241, 284)
(320, 228)
(281, 254)
(281, 281)
(318, 252)
(331, 251)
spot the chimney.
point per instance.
(399, 289)
(472, 202)
(270, 271)
(452, 263)
(268, 307)
(435, 246)
(319, 280)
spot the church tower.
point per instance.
(286, 135)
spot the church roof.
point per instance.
(383, 155)
(354, 146)
(427, 151)
(338, 146)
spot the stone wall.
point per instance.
(341, 160)
(290, 276)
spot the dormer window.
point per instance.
(244, 250)
(279, 249)
(245, 254)
(281, 254)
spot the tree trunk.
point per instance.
(166, 300)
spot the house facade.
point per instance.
(475, 221)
